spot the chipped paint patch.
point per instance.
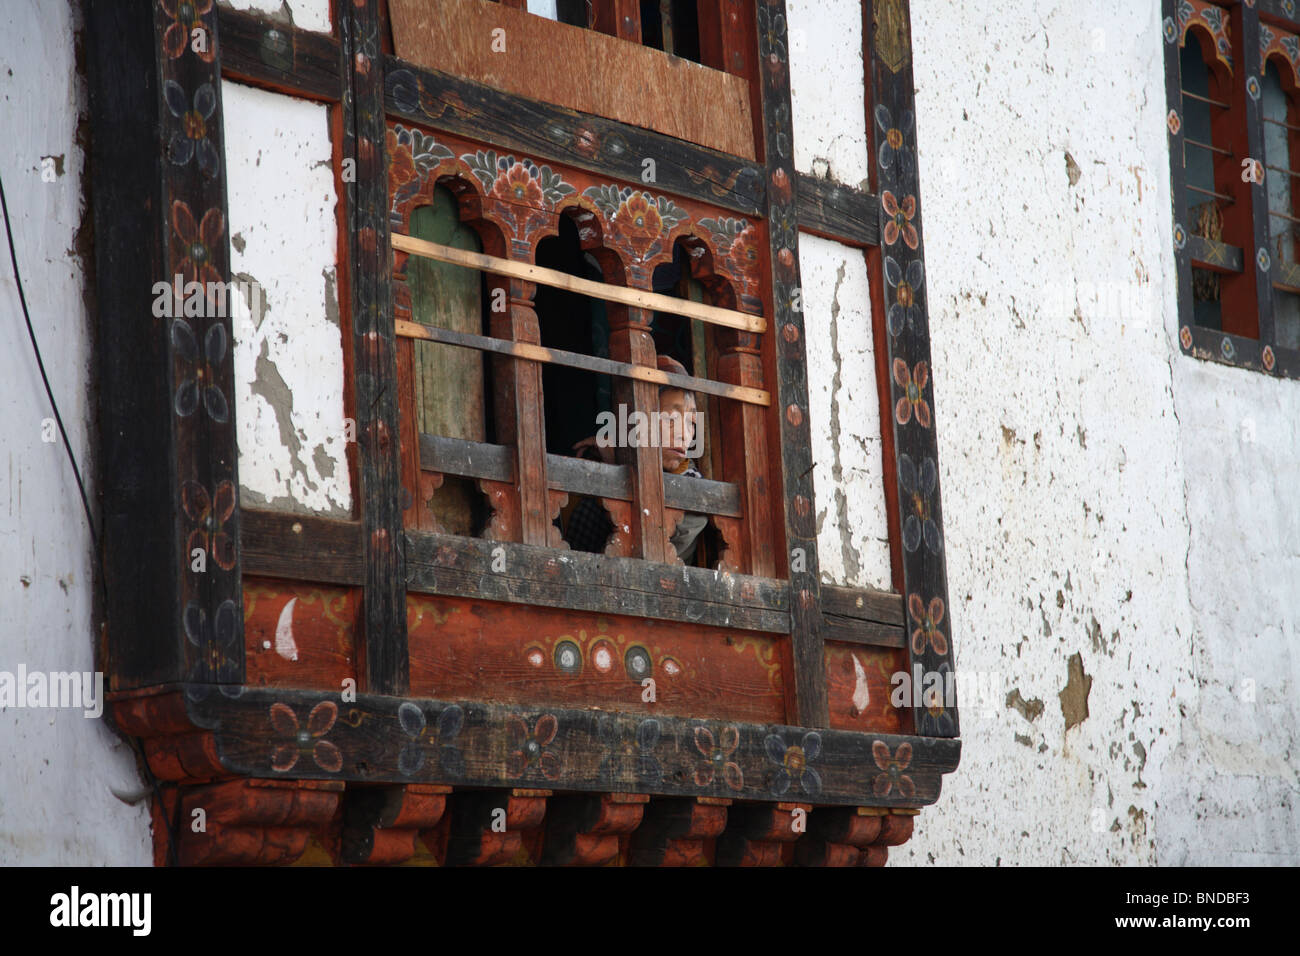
(844, 414)
(1074, 696)
(288, 347)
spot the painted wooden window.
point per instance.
(1231, 79)
(448, 667)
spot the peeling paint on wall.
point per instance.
(852, 527)
(288, 346)
(828, 107)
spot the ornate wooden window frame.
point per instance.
(175, 641)
(1245, 32)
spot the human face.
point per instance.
(676, 426)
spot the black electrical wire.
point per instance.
(31, 333)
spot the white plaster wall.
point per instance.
(289, 352)
(69, 789)
(1103, 495)
(304, 14)
(852, 525)
(827, 95)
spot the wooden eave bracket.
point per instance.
(283, 775)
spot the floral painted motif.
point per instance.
(900, 223)
(201, 383)
(1173, 122)
(744, 251)
(913, 403)
(215, 638)
(1253, 87)
(927, 632)
(1185, 337)
(643, 220)
(933, 717)
(1170, 30)
(405, 87)
(1291, 45)
(1263, 260)
(191, 140)
(305, 741)
(1180, 236)
(1227, 349)
(892, 766)
(187, 16)
(519, 181)
(414, 723)
(1268, 358)
(412, 155)
(196, 243)
(530, 754)
(210, 513)
(793, 762)
(895, 151)
(1266, 38)
(906, 286)
(629, 754)
(771, 35)
(718, 758)
(917, 485)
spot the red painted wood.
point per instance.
(315, 647)
(469, 649)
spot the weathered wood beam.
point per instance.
(303, 547)
(442, 564)
(281, 58)
(441, 101)
(835, 211)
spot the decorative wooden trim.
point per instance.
(249, 822)
(898, 272)
(269, 733)
(442, 564)
(835, 211)
(374, 356)
(382, 825)
(598, 145)
(278, 57)
(799, 507)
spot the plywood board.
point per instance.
(580, 69)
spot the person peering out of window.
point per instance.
(589, 527)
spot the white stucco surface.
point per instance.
(827, 97)
(853, 529)
(288, 353)
(69, 789)
(304, 14)
(1104, 495)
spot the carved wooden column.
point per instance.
(630, 341)
(745, 449)
(520, 415)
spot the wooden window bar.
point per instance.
(565, 475)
